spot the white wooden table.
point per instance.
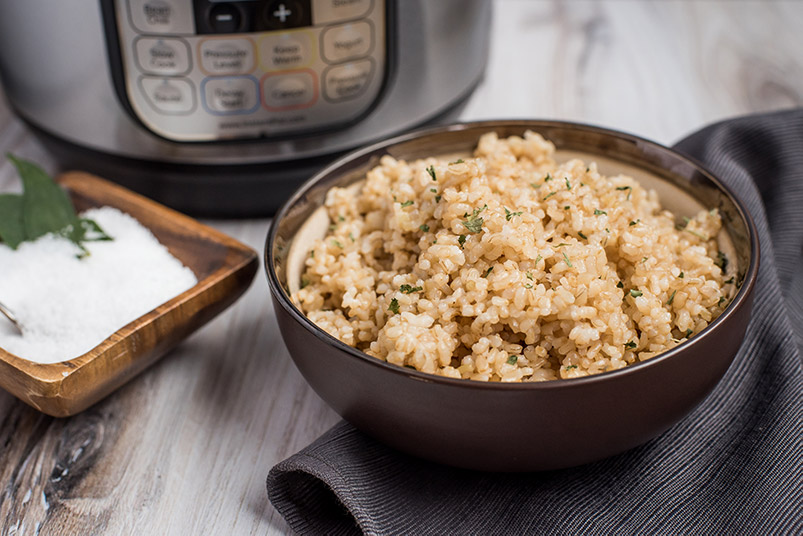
(185, 447)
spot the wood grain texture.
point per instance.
(185, 448)
(223, 267)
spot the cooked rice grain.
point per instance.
(509, 266)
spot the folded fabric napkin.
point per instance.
(734, 466)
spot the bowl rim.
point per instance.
(281, 296)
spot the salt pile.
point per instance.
(67, 305)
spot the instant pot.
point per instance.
(222, 108)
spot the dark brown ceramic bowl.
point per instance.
(522, 426)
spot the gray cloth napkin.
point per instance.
(734, 466)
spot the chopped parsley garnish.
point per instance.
(548, 177)
(538, 259)
(341, 218)
(568, 184)
(509, 214)
(722, 261)
(433, 190)
(474, 222)
(488, 271)
(337, 243)
(529, 276)
(581, 235)
(438, 198)
(721, 300)
(312, 253)
(512, 359)
(550, 194)
(630, 345)
(431, 171)
(562, 244)
(636, 293)
(729, 281)
(461, 240)
(632, 223)
(528, 286)
(598, 212)
(695, 233)
(534, 185)
(680, 275)
(566, 258)
(671, 298)
(688, 332)
(407, 203)
(628, 188)
(570, 367)
(619, 285)
(394, 306)
(567, 207)
(424, 228)
(458, 161)
(408, 289)
(351, 235)
(304, 282)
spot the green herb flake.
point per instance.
(721, 300)
(340, 218)
(636, 293)
(535, 185)
(424, 227)
(548, 177)
(438, 198)
(458, 161)
(304, 282)
(529, 276)
(698, 235)
(562, 244)
(671, 298)
(619, 285)
(598, 212)
(407, 203)
(312, 253)
(722, 261)
(394, 306)
(511, 360)
(567, 207)
(433, 190)
(409, 289)
(337, 243)
(581, 235)
(538, 259)
(549, 195)
(568, 184)
(351, 236)
(509, 214)
(630, 345)
(461, 240)
(688, 333)
(488, 271)
(474, 222)
(570, 367)
(681, 275)
(568, 262)
(528, 286)
(728, 282)
(628, 188)
(431, 171)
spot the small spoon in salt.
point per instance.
(8, 314)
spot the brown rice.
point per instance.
(509, 266)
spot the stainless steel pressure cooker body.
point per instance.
(221, 108)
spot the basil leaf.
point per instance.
(11, 230)
(46, 208)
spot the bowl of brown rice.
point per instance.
(513, 295)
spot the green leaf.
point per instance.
(46, 208)
(12, 231)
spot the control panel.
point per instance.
(205, 70)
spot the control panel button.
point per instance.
(348, 41)
(162, 16)
(226, 56)
(283, 14)
(225, 18)
(289, 91)
(230, 95)
(169, 95)
(329, 11)
(162, 56)
(285, 51)
(347, 81)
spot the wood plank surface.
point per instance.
(185, 447)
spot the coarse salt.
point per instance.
(67, 305)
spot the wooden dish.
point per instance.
(224, 268)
